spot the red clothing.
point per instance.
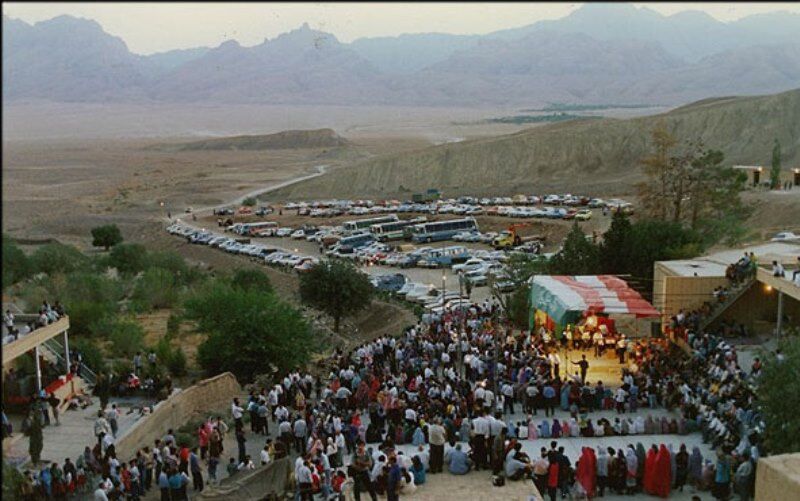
(552, 475)
(649, 472)
(185, 454)
(663, 476)
(586, 473)
(202, 437)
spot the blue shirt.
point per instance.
(176, 481)
(163, 481)
(548, 392)
(458, 462)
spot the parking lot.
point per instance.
(412, 248)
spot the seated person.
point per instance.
(514, 468)
(457, 461)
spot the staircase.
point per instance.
(734, 293)
(53, 351)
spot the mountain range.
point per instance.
(599, 53)
(587, 156)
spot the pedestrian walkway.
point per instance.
(75, 432)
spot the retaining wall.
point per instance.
(207, 395)
(778, 478)
(255, 485)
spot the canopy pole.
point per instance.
(38, 370)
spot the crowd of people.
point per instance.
(47, 314)
(461, 394)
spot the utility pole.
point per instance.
(779, 323)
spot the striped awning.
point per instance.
(562, 297)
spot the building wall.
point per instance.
(757, 309)
(686, 293)
(208, 395)
(778, 478)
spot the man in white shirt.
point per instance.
(237, 412)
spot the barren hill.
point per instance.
(594, 156)
(286, 140)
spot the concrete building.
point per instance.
(689, 284)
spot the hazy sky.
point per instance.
(156, 27)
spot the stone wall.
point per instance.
(778, 478)
(207, 395)
(261, 483)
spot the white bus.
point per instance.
(251, 228)
(395, 230)
(364, 224)
(441, 230)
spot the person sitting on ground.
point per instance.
(515, 468)
(457, 461)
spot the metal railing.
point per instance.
(734, 293)
(54, 351)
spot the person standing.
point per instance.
(393, 483)
(743, 480)
(436, 438)
(240, 442)
(361, 466)
(681, 467)
(197, 472)
(722, 477)
(584, 365)
(237, 412)
(137, 364)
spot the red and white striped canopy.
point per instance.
(596, 293)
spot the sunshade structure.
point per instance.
(562, 299)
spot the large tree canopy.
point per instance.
(248, 330)
(337, 288)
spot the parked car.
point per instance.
(786, 236)
(469, 265)
(283, 232)
(583, 215)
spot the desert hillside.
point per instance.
(286, 140)
(588, 156)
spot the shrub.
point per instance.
(156, 288)
(177, 362)
(58, 258)
(16, 265)
(251, 279)
(249, 201)
(127, 337)
(173, 324)
(129, 258)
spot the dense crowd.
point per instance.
(464, 393)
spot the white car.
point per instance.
(786, 236)
(418, 291)
(477, 278)
(298, 234)
(283, 232)
(469, 265)
(453, 304)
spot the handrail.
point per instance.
(58, 350)
(735, 293)
(35, 338)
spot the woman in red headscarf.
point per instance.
(587, 471)
(650, 471)
(663, 478)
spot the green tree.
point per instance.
(337, 288)
(106, 236)
(775, 170)
(579, 256)
(173, 263)
(616, 247)
(778, 385)
(56, 257)
(16, 265)
(127, 337)
(12, 482)
(36, 440)
(653, 240)
(248, 331)
(249, 201)
(129, 259)
(251, 279)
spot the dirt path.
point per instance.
(321, 169)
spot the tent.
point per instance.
(558, 300)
